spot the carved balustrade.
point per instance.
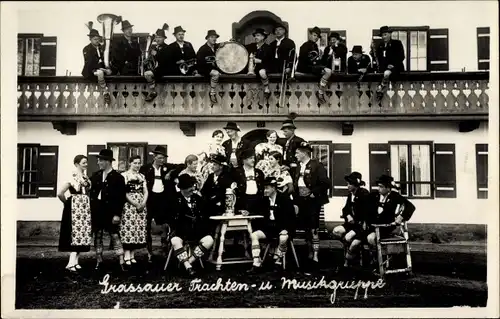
(419, 95)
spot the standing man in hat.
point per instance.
(282, 51)
(206, 62)
(289, 143)
(354, 213)
(126, 52)
(390, 54)
(181, 52)
(249, 184)
(335, 50)
(262, 58)
(160, 188)
(310, 62)
(191, 224)
(387, 207)
(278, 224)
(107, 198)
(156, 65)
(311, 185)
(358, 62)
(234, 145)
(93, 67)
(214, 189)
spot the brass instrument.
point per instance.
(185, 66)
(295, 63)
(285, 77)
(251, 64)
(150, 62)
(108, 23)
(211, 59)
(314, 56)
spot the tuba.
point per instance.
(185, 66)
(108, 23)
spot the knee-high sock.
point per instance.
(256, 253)
(117, 244)
(150, 79)
(198, 252)
(315, 244)
(324, 80)
(264, 79)
(214, 80)
(282, 247)
(101, 81)
(183, 256)
(98, 244)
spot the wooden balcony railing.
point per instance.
(450, 95)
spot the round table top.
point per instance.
(235, 217)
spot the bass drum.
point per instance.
(231, 57)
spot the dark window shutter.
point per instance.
(343, 164)
(379, 161)
(322, 151)
(150, 156)
(445, 171)
(437, 50)
(48, 56)
(482, 170)
(483, 48)
(33, 159)
(92, 152)
(47, 171)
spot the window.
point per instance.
(425, 49)
(37, 170)
(482, 170)
(36, 55)
(27, 170)
(123, 151)
(483, 48)
(411, 168)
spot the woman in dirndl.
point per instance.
(263, 150)
(76, 228)
(134, 219)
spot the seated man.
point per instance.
(387, 207)
(354, 212)
(191, 224)
(278, 223)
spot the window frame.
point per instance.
(25, 36)
(409, 182)
(408, 45)
(109, 145)
(20, 171)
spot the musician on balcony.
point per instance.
(390, 55)
(281, 51)
(156, 64)
(337, 50)
(261, 57)
(358, 62)
(206, 62)
(126, 52)
(311, 184)
(387, 206)
(310, 62)
(351, 233)
(181, 54)
(278, 224)
(93, 67)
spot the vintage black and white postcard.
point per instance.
(250, 159)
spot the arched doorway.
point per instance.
(242, 30)
(255, 137)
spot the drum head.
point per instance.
(232, 58)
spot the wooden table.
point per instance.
(231, 223)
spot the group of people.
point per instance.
(277, 179)
(179, 58)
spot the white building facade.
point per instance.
(438, 156)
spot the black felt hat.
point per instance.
(387, 181)
(280, 25)
(355, 178)
(384, 29)
(232, 126)
(178, 29)
(210, 33)
(186, 181)
(260, 31)
(288, 124)
(126, 25)
(218, 158)
(357, 49)
(106, 155)
(249, 152)
(162, 150)
(161, 33)
(305, 146)
(94, 33)
(316, 30)
(335, 35)
(271, 181)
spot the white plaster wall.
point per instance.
(66, 21)
(466, 208)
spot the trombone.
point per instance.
(285, 77)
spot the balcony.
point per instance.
(416, 96)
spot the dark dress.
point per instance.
(133, 222)
(76, 227)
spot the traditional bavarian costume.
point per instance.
(290, 145)
(126, 53)
(263, 150)
(364, 62)
(262, 52)
(206, 64)
(250, 186)
(180, 52)
(156, 65)
(133, 222)
(356, 205)
(93, 65)
(281, 50)
(233, 149)
(390, 57)
(339, 50)
(76, 227)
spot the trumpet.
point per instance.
(185, 66)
